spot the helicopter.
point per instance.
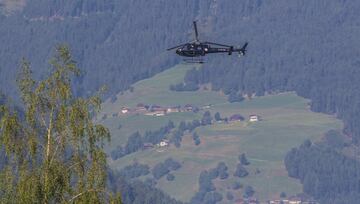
(196, 48)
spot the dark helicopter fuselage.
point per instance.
(201, 49)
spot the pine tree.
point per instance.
(243, 160)
(55, 152)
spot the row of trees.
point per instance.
(135, 170)
(136, 142)
(185, 126)
(138, 192)
(164, 168)
(207, 191)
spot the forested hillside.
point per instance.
(115, 42)
(328, 176)
(310, 47)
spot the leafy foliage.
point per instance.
(172, 164)
(136, 142)
(55, 152)
(326, 174)
(243, 160)
(170, 177)
(248, 191)
(196, 138)
(206, 192)
(163, 168)
(229, 196)
(138, 192)
(206, 119)
(135, 170)
(241, 171)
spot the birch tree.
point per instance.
(55, 151)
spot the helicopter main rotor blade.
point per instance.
(245, 45)
(196, 31)
(211, 43)
(177, 46)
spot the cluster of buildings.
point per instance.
(293, 200)
(156, 110)
(251, 200)
(238, 117)
(162, 143)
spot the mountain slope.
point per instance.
(286, 123)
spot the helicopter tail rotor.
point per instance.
(242, 50)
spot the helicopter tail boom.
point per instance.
(231, 49)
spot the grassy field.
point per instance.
(286, 123)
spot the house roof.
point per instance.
(155, 106)
(236, 117)
(140, 105)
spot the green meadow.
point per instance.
(286, 122)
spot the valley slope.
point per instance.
(286, 122)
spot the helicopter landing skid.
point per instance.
(193, 60)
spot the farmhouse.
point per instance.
(188, 107)
(236, 117)
(175, 109)
(207, 106)
(159, 113)
(294, 201)
(140, 105)
(253, 118)
(156, 113)
(140, 108)
(125, 110)
(157, 108)
(163, 143)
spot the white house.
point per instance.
(173, 110)
(253, 118)
(156, 113)
(164, 143)
(125, 110)
(160, 113)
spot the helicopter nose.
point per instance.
(178, 51)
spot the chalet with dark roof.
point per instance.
(236, 117)
(188, 107)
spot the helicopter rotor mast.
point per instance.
(196, 32)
